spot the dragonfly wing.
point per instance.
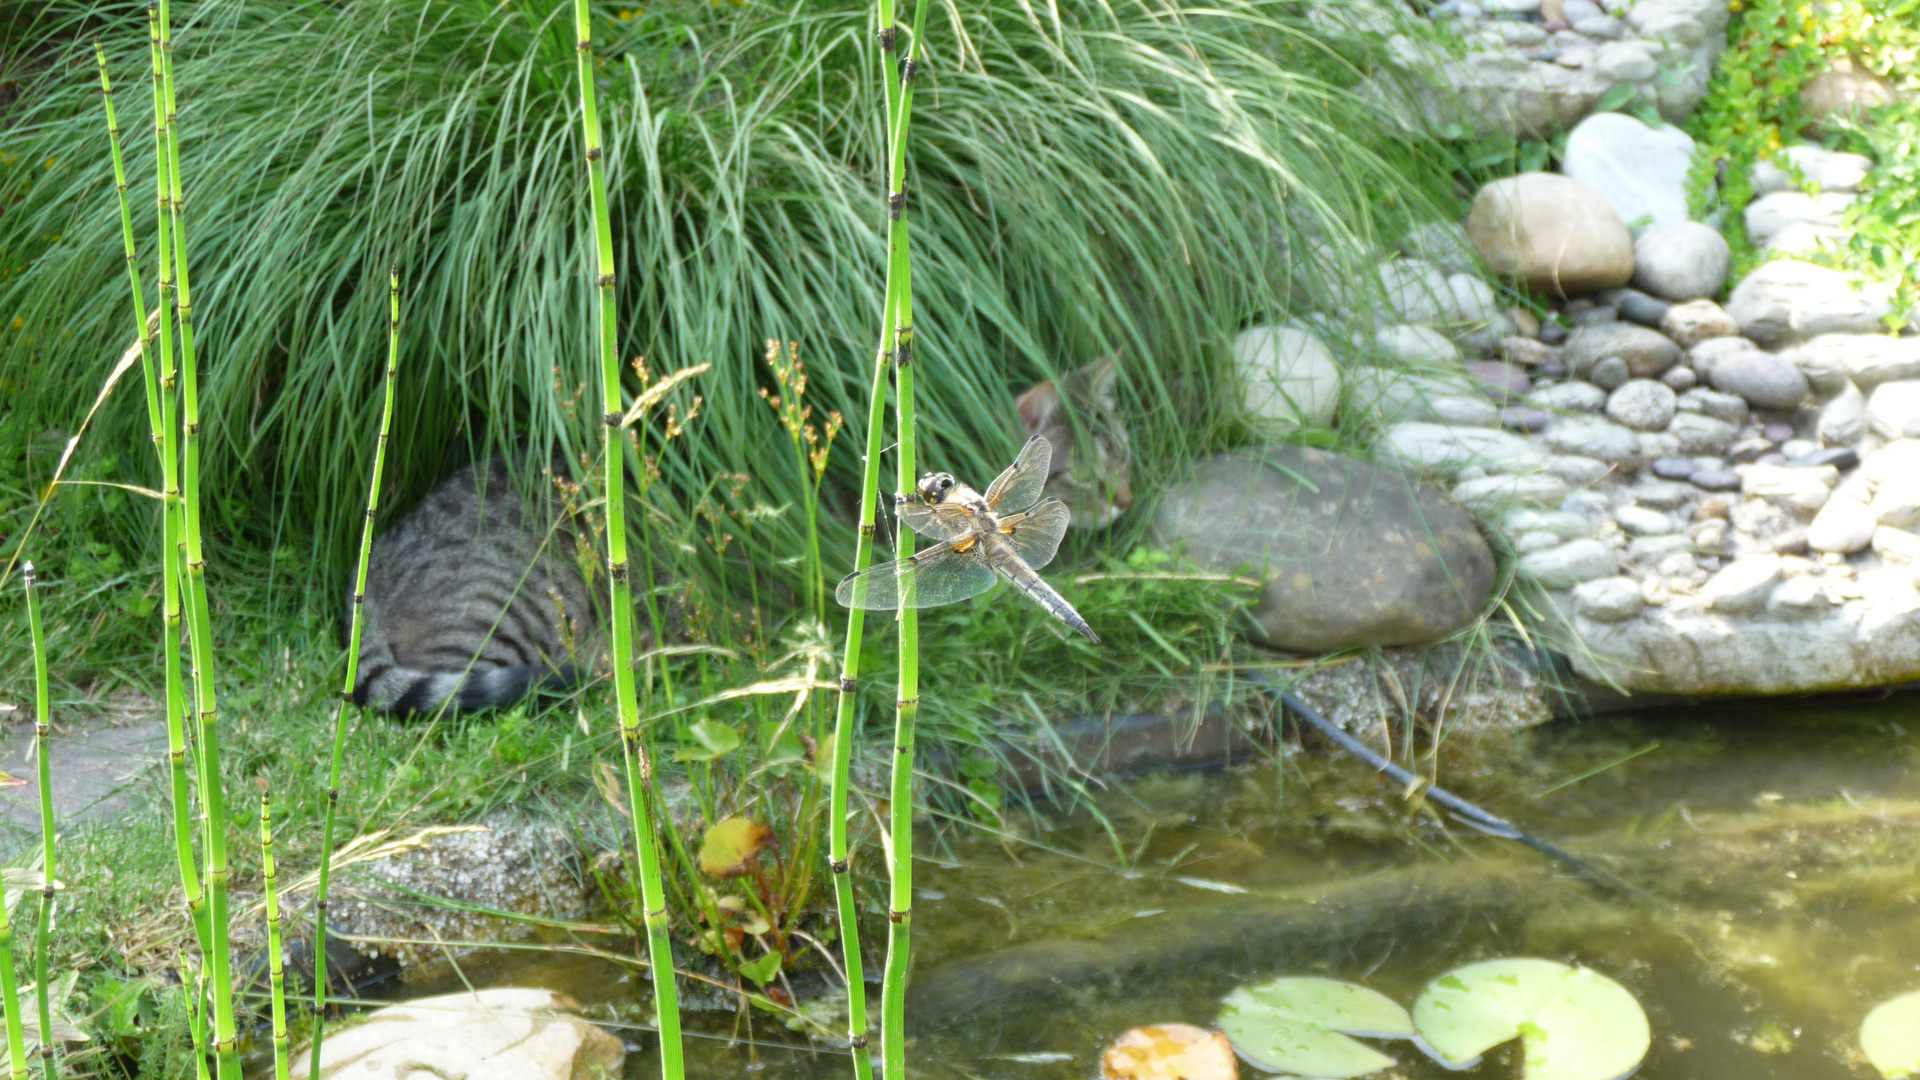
(945, 574)
(1036, 534)
(1020, 486)
(939, 521)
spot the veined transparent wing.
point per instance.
(941, 521)
(1036, 534)
(1020, 486)
(944, 574)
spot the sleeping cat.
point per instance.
(1091, 453)
(473, 601)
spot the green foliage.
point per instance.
(1884, 222)
(1118, 177)
(1753, 106)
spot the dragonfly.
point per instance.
(980, 539)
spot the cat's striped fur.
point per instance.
(473, 600)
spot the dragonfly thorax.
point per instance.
(933, 487)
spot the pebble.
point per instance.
(1577, 470)
(1553, 331)
(1642, 404)
(1744, 586)
(1528, 420)
(1699, 434)
(1798, 598)
(1709, 537)
(1581, 318)
(1570, 563)
(1525, 350)
(1524, 323)
(1570, 397)
(1502, 381)
(1715, 480)
(1471, 472)
(1798, 448)
(1538, 540)
(1777, 431)
(1572, 11)
(1610, 599)
(1673, 468)
(1553, 370)
(1611, 373)
(1602, 26)
(1658, 444)
(1727, 408)
(1766, 380)
(1679, 379)
(1636, 306)
(1718, 508)
(1641, 521)
(1661, 494)
(1563, 523)
(1750, 450)
(1589, 503)
(1773, 458)
(1678, 564)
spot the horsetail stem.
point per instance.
(9, 988)
(226, 1039)
(893, 992)
(276, 966)
(355, 623)
(166, 439)
(639, 767)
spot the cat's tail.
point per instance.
(382, 683)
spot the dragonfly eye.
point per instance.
(934, 485)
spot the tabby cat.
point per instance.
(473, 601)
(1092, 455)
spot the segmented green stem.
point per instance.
(276, 967)
(226, 1038)
(166, 438)
(138, 291)
(893, 992)
(639, 765)
(42, 716)
(353, 672)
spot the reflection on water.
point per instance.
(1772, 854)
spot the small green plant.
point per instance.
(1883, 224)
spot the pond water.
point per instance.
(1770, 856)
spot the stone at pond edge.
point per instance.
(1287, 378)
(1788, 301)
(1569, 564)
(1354, 554)
(1764, 380)
(1169, 1052)
(1647, 352)
(498, 1034)
(1640, 171)
(1681, 260)
(1695, 321)
(1551, 233)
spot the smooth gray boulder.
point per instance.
(1786, 302)
(1352, 553)
(1681, 260)
(1647, 352)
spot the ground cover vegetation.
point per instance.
(1139, 178)
(1754, 108)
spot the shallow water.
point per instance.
(1771, 856)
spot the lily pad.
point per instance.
(1890, 1037)
(1301, 1026)
(1573, 1024)
(731, 846)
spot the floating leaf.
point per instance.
(715, 739)
(1169, 1052)
(1296, 1025)
(732, 845)
(762, 970)
(1890, 1037)
(1573, 1024)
